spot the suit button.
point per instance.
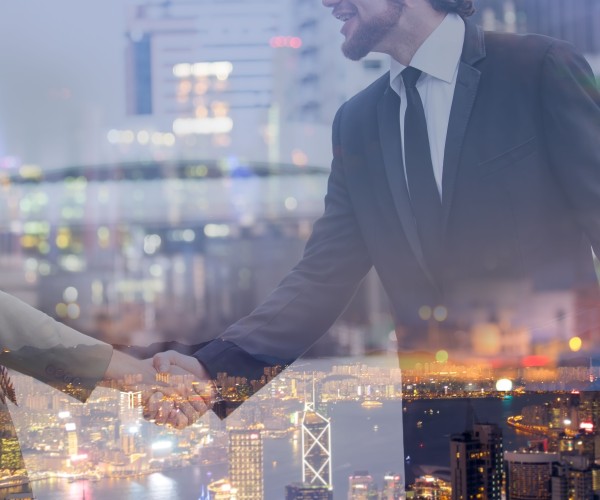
(50, 370)
(76, 381)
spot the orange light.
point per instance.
(535, 361)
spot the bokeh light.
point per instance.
(441, 356)
(504, 385)
(575, 344)
(425, 313)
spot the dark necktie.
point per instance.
(424, 195)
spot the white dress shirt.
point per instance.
(438, 58)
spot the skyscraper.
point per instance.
(72, 441)
(529, 475)
(246, 463)
(130, 415)
(316, 448)
(490, 439)
(393, 487)
(466, 462)
(362, 486)
(476, 463)
(205, 70)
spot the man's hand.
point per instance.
(202, 392)
(164, 361)
(167, 399)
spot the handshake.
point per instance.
(176, 389)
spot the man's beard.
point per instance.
(369, 33)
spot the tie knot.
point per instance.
(410, 76)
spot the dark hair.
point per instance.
(464, 8)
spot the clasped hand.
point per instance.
(176, 389)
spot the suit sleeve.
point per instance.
(308, 300)
(571, 110)
(34, 344)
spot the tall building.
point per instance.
(574, 478)
(431, 488)
(362, 486)
(393, 487)
(529, 475)
(246, 463)
(206, 71)
(476, 463)
(316, 448)
(130, 416)
(303, 491)
(72, 441)
(490, 439)
(466, 466)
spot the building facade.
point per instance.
(246, 463)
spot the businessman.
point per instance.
(471, 167)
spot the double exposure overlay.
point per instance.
(300, 249)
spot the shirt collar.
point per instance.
(439, 54)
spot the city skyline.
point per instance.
(270, 413)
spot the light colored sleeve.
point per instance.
(34, 344)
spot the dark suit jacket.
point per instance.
(521, 202)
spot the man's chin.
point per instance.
(354, 52)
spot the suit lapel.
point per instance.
(388, 116)
(389, 130)
(467, 83)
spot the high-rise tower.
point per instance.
(246, 463)
(476, 463)
(316, 445)
(206, 70)
(529, 475)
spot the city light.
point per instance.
(425, 313)
(202, 126)
(299, 158)
(70, 294)
(291, 203)
(441, 356)
(120, 136)
(575, 344)
(70, 426)
(64, 414)
(216, 230)
(30, 172)
(278, 42)
(219, 69)
(161, 445)
(152, 243)
(440, 313)
(73, 311)
(504, 385)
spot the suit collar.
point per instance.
(474, 46)
(439, 54)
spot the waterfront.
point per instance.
(362, 438)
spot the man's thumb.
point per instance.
(161, 362)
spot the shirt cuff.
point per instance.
(222, 356)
